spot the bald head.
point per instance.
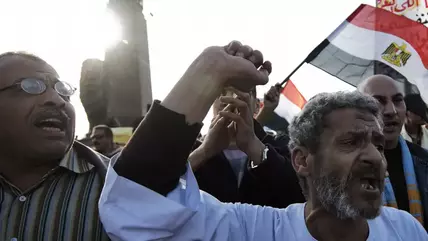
(391, 102)
(377, 82)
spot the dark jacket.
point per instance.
(273, 183)
(157, 162)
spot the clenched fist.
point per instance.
(236, 65)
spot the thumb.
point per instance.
(264, 72)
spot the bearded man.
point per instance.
(336, 148)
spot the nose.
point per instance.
(374, 157)
(52, 98)
(389, 108)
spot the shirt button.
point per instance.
(22, 199)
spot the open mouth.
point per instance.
(391, 125)
(370, 184)
(52, 125)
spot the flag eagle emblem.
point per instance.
(396, 54)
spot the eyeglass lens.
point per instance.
(36, 87)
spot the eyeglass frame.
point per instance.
(19, 83)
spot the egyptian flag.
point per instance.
(374, 41)
(291, 102)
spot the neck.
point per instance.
(22, 175)
(111, 148)
(412, 130)
(323, 225)
(391, 144)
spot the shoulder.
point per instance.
(417, 151)
(402, 221)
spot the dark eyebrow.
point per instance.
(355, 132)
(379, 97)
(398, 95)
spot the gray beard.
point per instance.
(331, 193)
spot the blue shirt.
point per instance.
(131, 212)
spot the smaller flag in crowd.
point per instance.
(291, 101)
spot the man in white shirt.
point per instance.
(337, 151)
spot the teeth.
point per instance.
(367, 186)
(52, 120)
(51, 129)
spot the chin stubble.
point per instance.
(333, 196)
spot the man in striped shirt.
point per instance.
(49, 189)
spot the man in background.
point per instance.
(406, 184)
(239, 162)
(103, 141)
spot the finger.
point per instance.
(214, 121)
(221, 122)
(234, 101)
(241, 95)
(267, 66)
(278, 86)
(263, 73)
(242, 107)
(272, 90)
(232, 117)
(233, 47)
(231, 129)
(256, 58)
(229, 107)
(244, 51)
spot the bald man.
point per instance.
(406, 185)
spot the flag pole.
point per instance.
(308, 59)
(292, 72)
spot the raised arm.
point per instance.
(155, 158)
(156, 155)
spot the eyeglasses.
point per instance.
(36, 87)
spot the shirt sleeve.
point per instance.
(130, 211)
(165, 140)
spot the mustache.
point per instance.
(52, 113)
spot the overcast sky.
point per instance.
(66, 32)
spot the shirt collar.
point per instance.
(75, 164)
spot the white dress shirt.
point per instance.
(131, 212)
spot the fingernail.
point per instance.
(252, 59)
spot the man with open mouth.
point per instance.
(49, 184)
(407, 180)
(336, 146)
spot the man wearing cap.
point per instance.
(416, 117)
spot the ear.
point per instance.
(300, 160)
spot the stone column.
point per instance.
(126, 69)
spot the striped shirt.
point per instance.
(63, 206)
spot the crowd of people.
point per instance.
(352, 165)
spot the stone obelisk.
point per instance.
(126, 68)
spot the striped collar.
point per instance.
(75, 164)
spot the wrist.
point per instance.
(206, 152)
(201, 84)
(255, 151)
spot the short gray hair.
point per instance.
(307, 127)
